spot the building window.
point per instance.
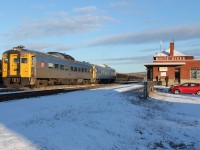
(195, 73)
(198, 73)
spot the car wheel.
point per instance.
(198, 92)
(176, 92)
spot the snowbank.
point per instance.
(105, 118)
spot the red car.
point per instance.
(187, 88)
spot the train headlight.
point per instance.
(4, 70)
(26, 70)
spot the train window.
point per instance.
(82, 69)
(79, 69)
(5, 60)
(24, 60)
(66, 67)
(75, 69)
(56, 66)
(50, 65)
(72, 68)
(16, 60)
(61, 67)
(85, 70)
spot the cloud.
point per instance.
(121, 4)
(128, 60)
(129, 7)
(40, 6)
(150, 49)
(58, 14)
(151, 36)
(193, 52)
(47, 47)
(58, 24)
(195, 45)
(43, 47)
(86, 9)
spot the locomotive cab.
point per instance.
(16, 67)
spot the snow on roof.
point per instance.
(103, 65)
(167, 53)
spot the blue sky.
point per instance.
(122, 34)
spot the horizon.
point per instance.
(124, 35)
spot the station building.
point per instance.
(178, 67)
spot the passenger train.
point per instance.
(28, 68)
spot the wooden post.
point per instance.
(148, 88)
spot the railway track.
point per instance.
(12, 94)
(5, 90)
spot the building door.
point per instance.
(150, 74)
(177, 76)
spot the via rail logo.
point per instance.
(42, 64)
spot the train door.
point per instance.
(93, 74)
(14, 64)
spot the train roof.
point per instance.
(56, 54)
(104, 67)
(61, 55)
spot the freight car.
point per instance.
(22, 67)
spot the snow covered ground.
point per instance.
(104, 118)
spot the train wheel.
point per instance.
(85, 82)
(51, 82)
(45, 83)
(37, 83)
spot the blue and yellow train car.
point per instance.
(22, 67)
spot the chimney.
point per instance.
(171, 49)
